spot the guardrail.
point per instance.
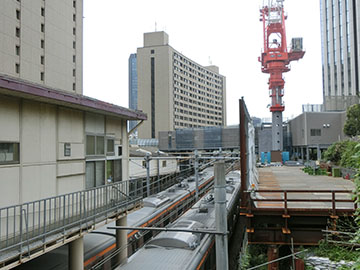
(32, 225)
(332, 202)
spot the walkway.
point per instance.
(311, 189)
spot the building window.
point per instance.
(315, 132)
(9, 153)
(42, 59)
(17, 68)
(95, 174)
(42, 11)
(42, 44)
(113, 171)
(42, 76)
(74, 17)
(164, 163)
(42, 28)
(17, 50)
(74, 31)
(74, 45)
(74, 72)
(17, 31)
(18, 14)
(74, 58)
(74, 4)
(95, 145)
(144, 164)
(110, 147)
(152, 51)
(74, 86)
(67, 149)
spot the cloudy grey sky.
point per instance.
(226, 33)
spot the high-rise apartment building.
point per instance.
(41, 42)
(340, 34)
(175, 91)
(133, 92)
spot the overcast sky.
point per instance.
(226, 33)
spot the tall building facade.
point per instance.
(41, 42)
(175, 91)
(340, 35)
(133, 90)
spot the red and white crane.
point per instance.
(275, 60)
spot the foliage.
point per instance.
(357, 200)
(342, 153)
(336, 252)
(256, 255)
(318, 171)
(348, 159)
(352, 124)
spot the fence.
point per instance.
(32, 225)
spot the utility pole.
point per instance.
(147, 160)
(221, 241)
(196, 175)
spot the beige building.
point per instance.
(53, 142)
(41, 42)
(175, 91)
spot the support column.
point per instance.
(196, 175)
(307, 153)
(273, 254)
(221, 241)
(121, 240)
(76, 254)
(318, 152)
(302, 154)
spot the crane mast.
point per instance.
(275, 60)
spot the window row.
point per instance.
(217, 85)
(198, 120)
(200, 109)
(195, 66)
(195, 87)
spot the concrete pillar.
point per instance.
(197, 175)
(221, 241)
(273, 254)
(76, 254)
(125, 151)
(121, 240)
(302, 153)
(318, 152)
(307, 153)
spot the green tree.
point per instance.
(352, 124)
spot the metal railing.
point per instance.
(329, 203)
(32, 225)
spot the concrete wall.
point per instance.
(163, 89)
(42, 37)
(330, 125)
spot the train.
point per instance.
(158, 210)
(187, 250)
